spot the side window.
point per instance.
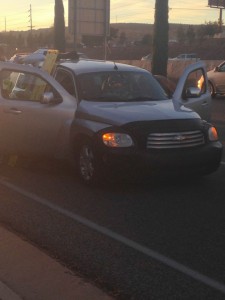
(23, 86)
(222, 68)
(66, 80)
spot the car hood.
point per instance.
(119, 113)
(210, 73)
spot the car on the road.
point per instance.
(38, 57)
(18, 57)
(187, 56)
(216, 78)
(108, 117)
(147, 57)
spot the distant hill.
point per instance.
(133, 31)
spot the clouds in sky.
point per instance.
(181, 11)
(14, 14)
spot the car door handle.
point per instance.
(14, 111)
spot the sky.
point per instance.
(15, 14)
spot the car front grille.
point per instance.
(175, 140)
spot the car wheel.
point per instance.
(88, 167)
(211, 90)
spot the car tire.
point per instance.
(88, 167)
(211, 90)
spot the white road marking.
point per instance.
(109, 233)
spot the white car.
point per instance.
(187, 56)
(107, 116)
(147, 57)
(38, 57)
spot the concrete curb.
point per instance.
(28, 273)
(7, 294)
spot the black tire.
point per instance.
(211, 90)
(88, 167)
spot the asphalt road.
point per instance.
(152, 240)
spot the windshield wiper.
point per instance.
(141, 98)
(103, 99)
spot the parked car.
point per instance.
(216, 79)
(186, 56)
(38, 57)
(18, 57)
(105, 117)
(147, 57)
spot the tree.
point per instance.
(180, 34)
(59, 26)
(190, 34)
(113, 33)
(30, 41)
(20, 43)
(122, 38)
(211, 28)
(147, 40)
(201, 33)
(160, 38)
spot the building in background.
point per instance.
(88, 18)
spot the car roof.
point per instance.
(88, 65)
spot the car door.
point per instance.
(200, 101)
(30, 124)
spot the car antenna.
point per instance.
(115, 66)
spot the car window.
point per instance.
(222, 68)
(195, 79)
(24, 86)
(119, 86)
(66, 80)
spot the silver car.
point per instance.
(106, 116)
(187, 56)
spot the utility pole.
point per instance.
(221, 19)
(30, 19)
(30, 36)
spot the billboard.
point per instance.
(216, 3)
(89, 17)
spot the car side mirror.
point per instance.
(217, 69)
(192, 92)
(50, 98)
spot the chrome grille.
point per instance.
(175, 140)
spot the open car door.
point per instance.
(189, 94)
(35, 111)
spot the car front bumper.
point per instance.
(200, 160)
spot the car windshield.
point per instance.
(119, 86)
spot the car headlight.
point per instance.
(212, 134)
(114, 139)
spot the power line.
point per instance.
(117, 11)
